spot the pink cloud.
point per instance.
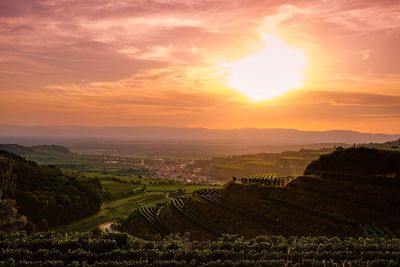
(139, 57)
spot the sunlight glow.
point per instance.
(275, 70)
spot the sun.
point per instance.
(273, 71)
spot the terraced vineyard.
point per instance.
(375, 231)
(192, 215)
(266, 179)
(118, 249)
(263, 224)
(122, 197)
(110, 211)
(309, 205)
(152, 215)
(207, 191)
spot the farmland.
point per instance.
(282, 164)
(122, 196)
(321, 203)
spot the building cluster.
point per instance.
(176, 170)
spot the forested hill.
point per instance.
(43, 194)
(358, 161)
(43, 149)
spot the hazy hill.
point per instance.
(23, 150)
(245, 135)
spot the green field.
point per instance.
(92, 165)
(123, 198)
(285, 163)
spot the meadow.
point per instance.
(123, 195)
(284, 163)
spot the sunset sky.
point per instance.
(177, 63)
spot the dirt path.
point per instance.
(106, 227)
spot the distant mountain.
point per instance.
(245, 135)
(23, 150)
(51, 149)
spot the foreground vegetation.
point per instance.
(118, 249)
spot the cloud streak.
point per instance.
(103, 62)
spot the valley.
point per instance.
(322, 197)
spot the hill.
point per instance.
(43, 194)
(262, 136)
(327, 204)
(390, 145)
(358, 161)
(38, 149)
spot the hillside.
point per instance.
(358, 161)
(43, 149)
(43, 194)
(328, 204)
(390, 145)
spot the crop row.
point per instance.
(179, 204)
(118, 249)
(207, 191)
(151, 214)
(266, 179)
(375, 231)
(265, 225)
(212, 263)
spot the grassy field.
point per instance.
(123, 198)
(92, 165)
(285, 163)
(112, 210)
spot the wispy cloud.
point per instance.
(152, 62)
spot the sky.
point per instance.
(166, 63)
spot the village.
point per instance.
(179, 170)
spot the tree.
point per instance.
(7, 176)
(10, 220)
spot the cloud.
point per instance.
(191, 32)
(145, 62)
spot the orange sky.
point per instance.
(159, 62)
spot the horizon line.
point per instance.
(193, 128)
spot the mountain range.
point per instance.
(264, 136)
